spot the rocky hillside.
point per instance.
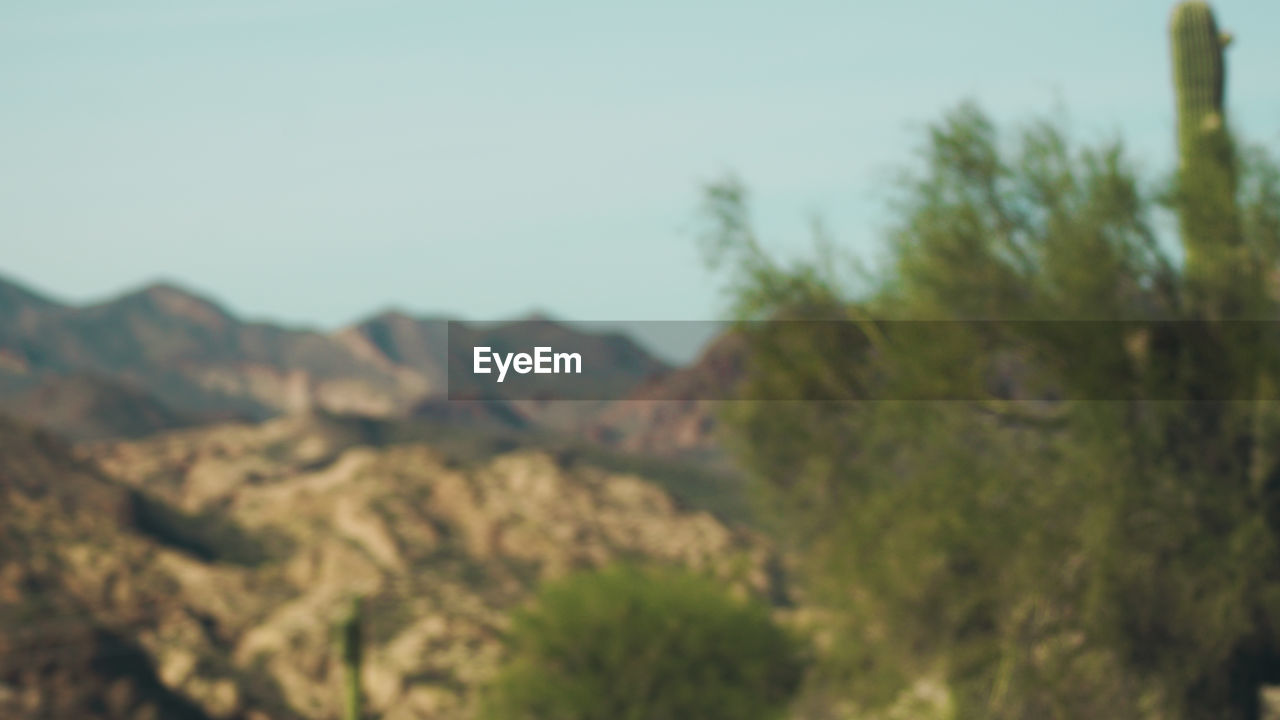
(163, 357)
(189, 354)
(80, 583)
(219, 556)
(674, 415)
(91, 407)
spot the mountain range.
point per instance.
(191, 497)
(163, 357)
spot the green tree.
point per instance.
(1049, 559)
(643, 644)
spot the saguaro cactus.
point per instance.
(1206, 161)
(349, 647)
(1224, 280)
(1199, 76)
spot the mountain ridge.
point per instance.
(162, 356)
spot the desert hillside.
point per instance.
(225, 552)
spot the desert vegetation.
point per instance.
(1094, 535)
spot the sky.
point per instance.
(312, 162)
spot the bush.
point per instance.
(628, 643)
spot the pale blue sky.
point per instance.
(313, 161)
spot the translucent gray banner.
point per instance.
(872, 360)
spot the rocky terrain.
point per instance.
(212, 561)
(233, 484)
(674, 415)
(80, 583)
(163, 357)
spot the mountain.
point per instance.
(394, 339)
(164, 357)
(233, 483)
(195, 356)
(91, 407)
(429, 346)
(674, 414)
(19, 305)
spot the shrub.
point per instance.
(631, 644)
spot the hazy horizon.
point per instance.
(312, 163)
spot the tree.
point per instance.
(1048, 559)
(644, 644)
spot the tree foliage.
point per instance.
(1049, 558)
